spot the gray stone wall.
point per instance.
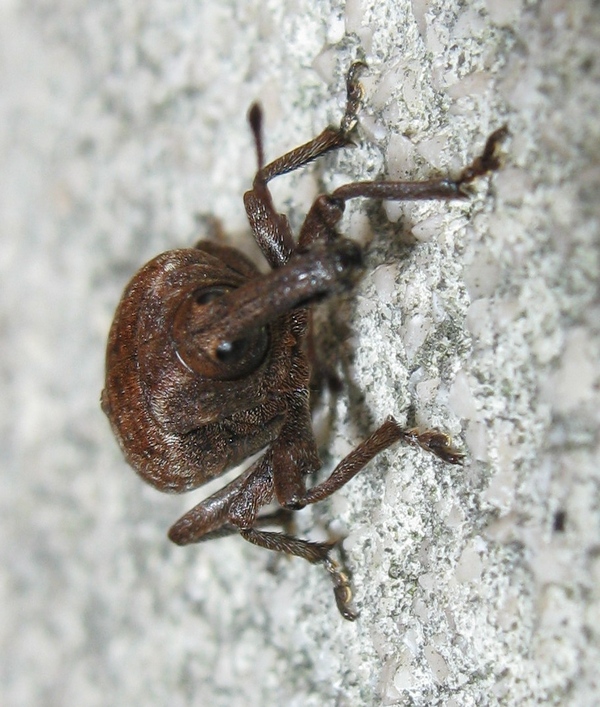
(122, 126)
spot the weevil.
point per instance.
(207, 361)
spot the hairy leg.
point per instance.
(270, 228)
(327, 210)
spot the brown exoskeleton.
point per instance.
(207, 363)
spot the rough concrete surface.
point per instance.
(122, 125)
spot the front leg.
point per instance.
(270, 228)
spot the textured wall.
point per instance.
(121, 125)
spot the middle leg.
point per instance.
(327, 210)
(390, 432)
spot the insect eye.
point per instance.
(239, 358)
(220, 360)
(230, 351)
(209, 294)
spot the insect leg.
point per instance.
(327, 209)
(444, 188)
(314, 553)
(216, 516)
(271, 229)
(383, 437)
(330, 139)
(257, 490)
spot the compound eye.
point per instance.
(231, 351)
(210, 358)
(206, 295)
(243, 356)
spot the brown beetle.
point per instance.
(207, 364)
